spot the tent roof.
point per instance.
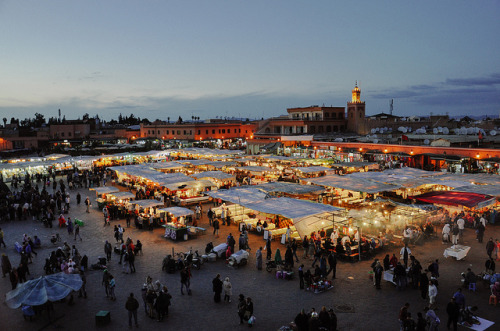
(196, 184)
(166, 165)
(122, 195)
(105, 189)
(255, 168)
(493, 190)
(351, 183)
(213, 174)
(147, 203)
(467, 199)
(290, 208)
(177, 211)
(239, 195)
(311, 169)
(289, 188)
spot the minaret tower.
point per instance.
(356, 112)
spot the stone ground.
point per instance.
(276, 302)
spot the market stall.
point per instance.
(146, 212)
(101, 194)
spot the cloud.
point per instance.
(491, 80)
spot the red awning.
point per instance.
(467, 199)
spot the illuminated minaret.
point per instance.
(356, 112)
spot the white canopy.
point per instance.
(176, 211)
(239, 195)
(352, 184)
(312, 169)
(147, 203)
(104, 189)
(122, 195)
(192, 184)
(213, 174)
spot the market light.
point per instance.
(411, 152)
(385, 150)
(360, 149)
(478, 156)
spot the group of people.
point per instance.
(313, 320)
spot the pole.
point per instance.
(359, 243)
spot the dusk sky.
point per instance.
(160, 59)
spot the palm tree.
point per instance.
(168, 120)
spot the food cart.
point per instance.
(145, 210)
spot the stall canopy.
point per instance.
(105, 189)
(239, 195)
(256, 169)
(453, 198)
(493, 190)
(122, 195)
(176, 211)
(147, 203)
(213, 174)
(289, 188)
(352, 183)
(192, 184)
(307, 216)
(312, 169)
(166, 165)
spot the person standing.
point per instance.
(131, 260)
(294, 250)
(424, 284)
(454, 234)
(258, 258)
(490, 247)
(108, 249)
(453, 311)
(88, 204)
(305, 246)
(432, 319)
(461, 228)
(1, 239)
(216, 228)
(112, 285)
(132, 305)
(210, 215)
(105, 281)
(6, 265)
(127, 218)
(217, 288)
(378, 270)
(405, 253)
(241, 307)
(83, 290)
(268, 248)
(228, 290)
(403, 314)
(301, 277)
(77, 231)
(480, 232)
(78, 198)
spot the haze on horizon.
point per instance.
(159, 59)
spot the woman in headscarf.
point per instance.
(6, 266)
(277, 257)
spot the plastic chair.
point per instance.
(472, 287)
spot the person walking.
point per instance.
(301, 277)
(480, 232)
(228, 290)
(105, 281)
(405, 253)
(403, 314)
(77, 231)
(258, 258)
(112, 285)
(132, 305)
(185, 282)
(217, 288)
(6, 265)
(453, 311)
(294, 250)
(332, 262)
(305, 246)
(162, 303)
(216, 227)
(131, 260)
(1, 239)
(432, 319)
(433, 292)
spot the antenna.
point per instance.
(392, 106)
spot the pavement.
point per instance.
(276, 301)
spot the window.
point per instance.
(213, 131)
(149, 131)
(335, 128)
(320, 128)
(178, 131)
(190, 132)
(199, 131)
(327, 115)
(219, 130)
(69, 134)
(223, 130)
(62, 134)
(334, 115)
(158, 131)
(239, 130)
(341, 115)
(184, 132)
(328, 128)
(228, 130)
(313, 129)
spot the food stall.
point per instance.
(190, 192)
(176, 219)
(146, 212)
(101, 193)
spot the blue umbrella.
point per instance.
(46, 288)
